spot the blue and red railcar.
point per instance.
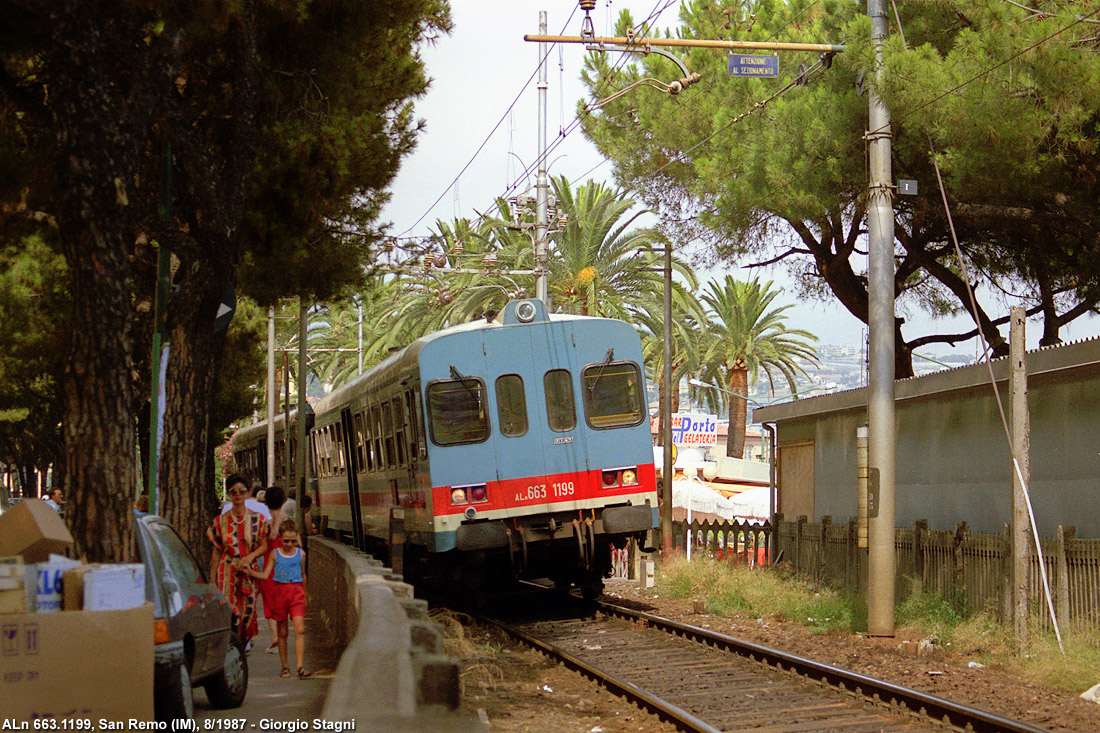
(518, 446)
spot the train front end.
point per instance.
(539, 445)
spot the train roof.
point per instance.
(515, 313)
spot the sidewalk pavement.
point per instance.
(271, 697)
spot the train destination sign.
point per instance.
(692, 429)
(753, 65)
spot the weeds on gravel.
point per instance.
(734, 590)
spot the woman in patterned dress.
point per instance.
(239, 536)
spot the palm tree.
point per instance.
(599, 265)
(746, 339)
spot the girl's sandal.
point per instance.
(285, 672)
(303, 673)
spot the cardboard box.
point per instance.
(45, 583)
(77, 664)
(13, 594)
(72, 587)
(114, 587)
(33, 529)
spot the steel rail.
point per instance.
(619, 686)
(923, 704)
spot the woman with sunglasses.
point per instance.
(239, 536)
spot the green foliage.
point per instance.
(762, 174)
(32, 345)
(734, 590)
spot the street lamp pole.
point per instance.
(666, 417)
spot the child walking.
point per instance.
(288, 594)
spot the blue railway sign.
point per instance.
(753, 65)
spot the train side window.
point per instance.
(338, 453)
(361, 448)
(399, 432)
(387, 432)
(363, 427)
(511, 405)
(414, 424)
(561, 411)
(613, 395)
(313, 454)
(456, 412)
(376, 428)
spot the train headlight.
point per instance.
(526, 312)
(458, 496)
(630, 477)
(610, 479)
(479, 494)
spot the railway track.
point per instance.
(704, 681)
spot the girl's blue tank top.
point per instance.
(288, 569)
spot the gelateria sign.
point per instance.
(694, 429)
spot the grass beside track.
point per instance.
(776, 593)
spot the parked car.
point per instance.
(195, 641)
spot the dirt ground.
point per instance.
(515, 689)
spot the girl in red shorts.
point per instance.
(288, 594)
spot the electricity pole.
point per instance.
(541, 185)
(880, 404)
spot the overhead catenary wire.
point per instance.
(651, 18)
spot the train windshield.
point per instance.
(613, 395)
(456, 412)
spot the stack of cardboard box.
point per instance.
(63, 654)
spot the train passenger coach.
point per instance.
(516, 447)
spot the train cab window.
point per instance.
(613, 395)
(560, 406)
(456, 412)
(511, 405)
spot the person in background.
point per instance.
(290, 506)
(56, 499)
(288, 572)
(239, 536)
(274, 498)
(308, 527)
(254, 505)
(141, 506)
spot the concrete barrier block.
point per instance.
(437, 680)
(426, 636)
(400, 589)
(415, 608)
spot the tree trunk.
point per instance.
(738, 412)
(97, 159)
(187, 497)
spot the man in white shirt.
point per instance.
(56, 499)
(290, 506)
(252, 504)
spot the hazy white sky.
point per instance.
(485, 65)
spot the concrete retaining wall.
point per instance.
(393, 675)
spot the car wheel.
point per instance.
(227, 688)
(174, 701)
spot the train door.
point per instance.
(518, 426)
(564, 450)
(351, 461)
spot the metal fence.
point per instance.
(743, 542)
(971, 570)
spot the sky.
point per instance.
(484, 77)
